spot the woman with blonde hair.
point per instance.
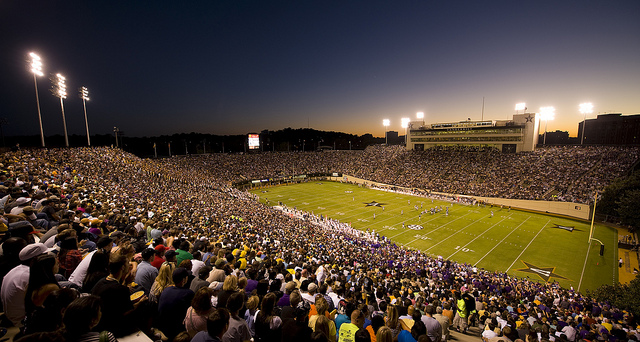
(384, 334)
(250, 314)
(229, 286)
(321, 307)
(163, 280)
(325, 326)
(393, 322)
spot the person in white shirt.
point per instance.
(16, 282)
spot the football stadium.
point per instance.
(347, 232)
(319, 171)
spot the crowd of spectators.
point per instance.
(563, 173)
(98, 244)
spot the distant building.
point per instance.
(509, 136)
(611, 129)
(392, 138)
(556, 138)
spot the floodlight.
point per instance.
(84, 95)
(547, 113)
(60, 91)
(420, 115)
(386, 124)
(405, 122)
(36, 69)
(521, 106)
(36, 64)
(60, 87)
(586, 108)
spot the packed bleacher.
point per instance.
(563, 173)
(98, 244)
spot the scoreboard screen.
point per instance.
(254, 141)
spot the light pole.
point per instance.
(116, 130)
(60, 91)
(546, 114)
(404, 122)
(349, 145)
(420, 116)
(386, 123)
(521, 106)
(585, 108)
(84, 95)
(36, 69)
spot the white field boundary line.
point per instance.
(501, 241)
(345, 219)
(319, 203)
(477, 237)
(458, 231)
(336, 194)
(349, 218)
(530, 242)
(584, 266)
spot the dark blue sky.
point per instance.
(233, 67)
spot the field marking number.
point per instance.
(464, 249)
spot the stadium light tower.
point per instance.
(36, 69)
(546, 114)
(386, 123)
(420, 116)
(404, 122)
(521, 106)
(59, 90)
(84, 95)
(585, 108)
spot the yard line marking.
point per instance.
(463, 228)
(498, 244)
(442, 226)
(530, 242)
(303, 195)
(585, 264)
(477, 237)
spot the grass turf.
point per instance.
(520, 243)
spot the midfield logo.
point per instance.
(545, 273)
(374, 204)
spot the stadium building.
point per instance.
(509, 136)
(611, 129)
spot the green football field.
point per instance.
(521, 243)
